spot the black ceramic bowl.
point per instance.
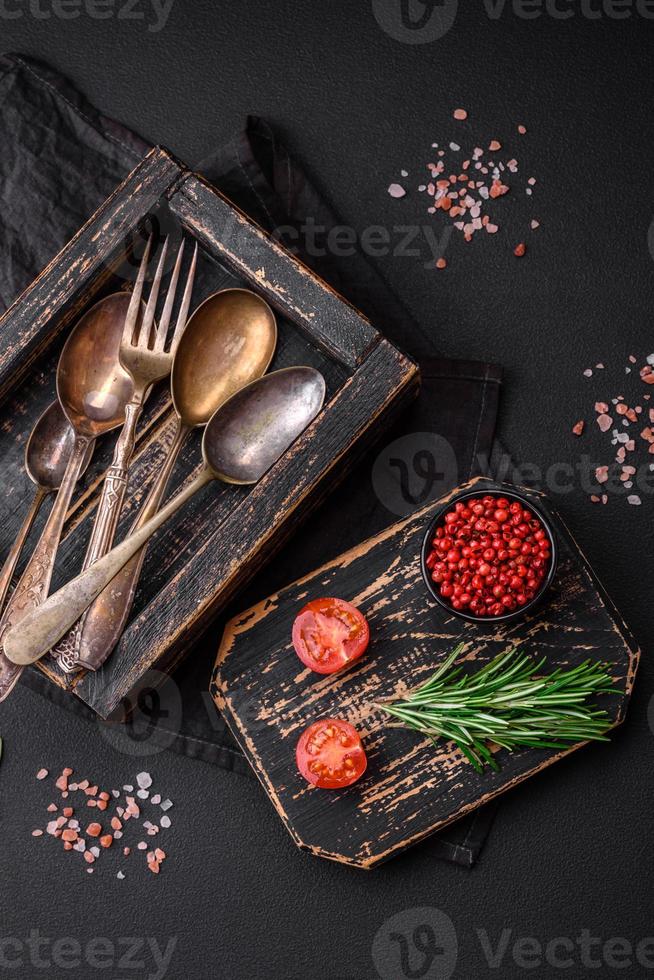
(526, 501)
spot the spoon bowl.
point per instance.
(92, 385)
(49, 448)
(228, 342)
(249, 433)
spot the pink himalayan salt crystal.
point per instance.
(605, 422)
(42, 773)
(396, 190)
(634, 500)
(460, 114)
(602, 474)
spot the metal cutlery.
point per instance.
(47, 453)
(93, 391)
(228, 342)
(145, 354)
(242, 441)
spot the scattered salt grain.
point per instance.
(460, 114)
(166, 805)
(396, 190)
(143, 794)
(144, 780)
(42, 774)
(165, 822)
(37, 833)
(634, 499)
(120, 875)
(588, 373)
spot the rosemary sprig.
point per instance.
(507, 703)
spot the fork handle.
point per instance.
(66, 652)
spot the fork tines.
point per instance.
(147, 337)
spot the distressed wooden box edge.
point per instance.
(76, 274)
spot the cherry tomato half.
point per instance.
(328, 634)
(330, 754)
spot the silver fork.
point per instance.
(143, 353)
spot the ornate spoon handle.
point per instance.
(46, 625)
(106, 522)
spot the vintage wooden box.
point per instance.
(198, 562)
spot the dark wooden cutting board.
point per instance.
(411, 787)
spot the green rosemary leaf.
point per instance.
(507, 703)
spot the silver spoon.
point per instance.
(47, 454)
(243, 439)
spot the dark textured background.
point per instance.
(570, 851)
